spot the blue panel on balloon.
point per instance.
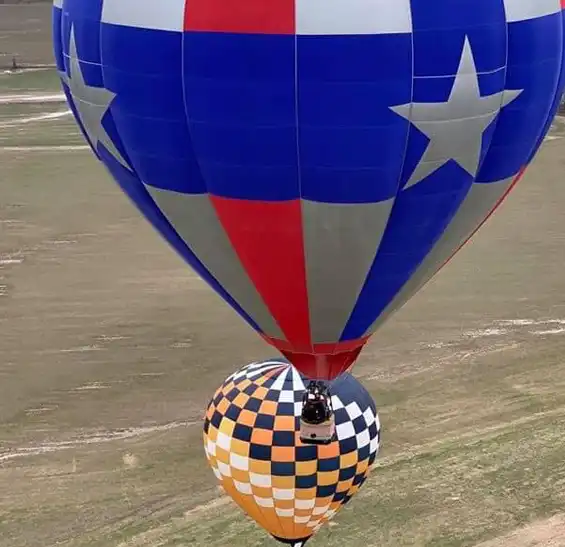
(251, 151)
(83, 16)
(441, 29)
(556, 101)
(418, 219)
(534, 67)
(529, 83)
(240, 102)
(351, 144)
(142, 51)
(141, 66)
(146, 95)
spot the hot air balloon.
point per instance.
(315, 161)
(252, 443)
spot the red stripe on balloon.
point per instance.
(267, 237)
(240, 16)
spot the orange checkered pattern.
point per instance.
(251, 439)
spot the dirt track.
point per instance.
(544, 533)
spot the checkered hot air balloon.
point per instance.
(252, 442)
(315, 161)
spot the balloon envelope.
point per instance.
(316, 163)
(252, 442)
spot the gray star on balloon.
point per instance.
(455, 128)
(91, 104)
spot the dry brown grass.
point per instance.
(111, 348)
(25, 32)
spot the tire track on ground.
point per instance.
(92, 438)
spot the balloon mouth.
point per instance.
(293, 542)
(323, 361)
(323, 366)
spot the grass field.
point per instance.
(110, 349)
(25, 32)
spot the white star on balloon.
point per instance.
(91, 104)
(455, 128)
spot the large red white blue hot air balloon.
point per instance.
(316, 161)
